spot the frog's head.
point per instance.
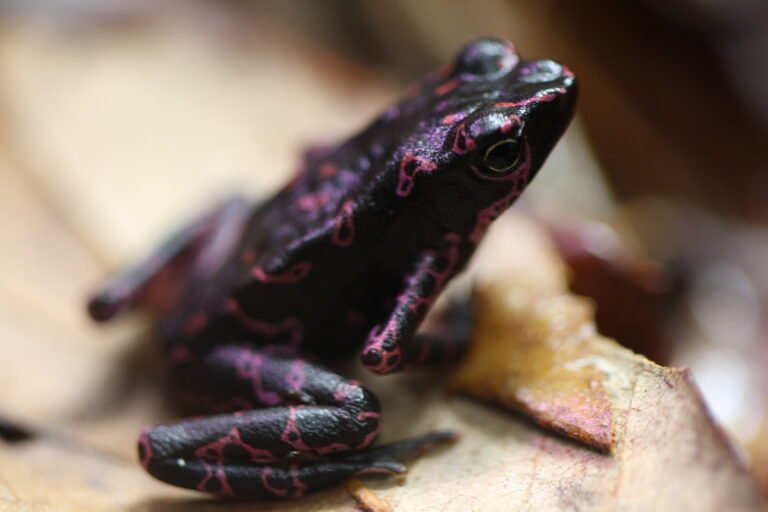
(494, 119)
(516, 110)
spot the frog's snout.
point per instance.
(555, 85)
(543, 71)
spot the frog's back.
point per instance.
(345, 195)
(341, 201)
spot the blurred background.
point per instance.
(120, 118)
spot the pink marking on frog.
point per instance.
(265, 482)
(371, 437)
(451, 254)
(509, 123)
(491, 212)
(291, 434)
(215, 451)
(215, 474)
(544, 98)
(296, 273)
(463, 143)
(248, 366)
(452, 118)
(312, 202)
(410, 166)
(367, 440)
(447, 86)
(295, 377)
(334, 448)
(298, 486)
(195, 323)
(328, 170)
(290, 325)
(146, 447)
(344, 232)
(344, 390)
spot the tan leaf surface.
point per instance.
(102, 133)
(536, 348)
(540, 354)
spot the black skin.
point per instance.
(351, 253)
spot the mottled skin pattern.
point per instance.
(351, 253)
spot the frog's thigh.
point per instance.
(193, 252)
(236, 376)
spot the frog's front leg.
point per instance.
(315, 429)
(195, 251)
(394, 344)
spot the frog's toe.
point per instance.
(381, 361)
(391, 455)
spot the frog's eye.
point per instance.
(502, 157)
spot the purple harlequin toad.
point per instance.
(349, 256)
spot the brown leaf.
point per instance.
(536, 347)
(366, 499)
(539, 353)
(619, 280)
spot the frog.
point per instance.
(253, 301)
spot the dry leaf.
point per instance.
(366, 499)
(539, 353)
(536, 346)
(605, 268)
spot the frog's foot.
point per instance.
(315, 428)
(235, 469)
(196, 251)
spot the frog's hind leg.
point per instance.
(310, 428)
(195, 251)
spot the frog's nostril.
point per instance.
(540, 71)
